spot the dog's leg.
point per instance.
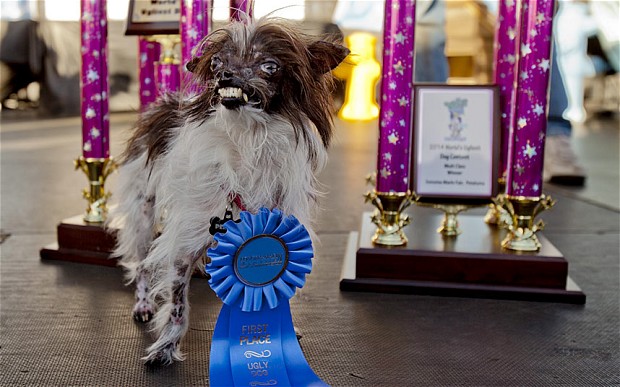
(172, 319)
(134, 217)
(144, 307)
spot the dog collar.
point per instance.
(236, 199)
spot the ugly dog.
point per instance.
(254, 136)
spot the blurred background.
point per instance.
(39, 48)
(69, 324)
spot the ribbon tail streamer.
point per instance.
(258, 349)
(220, 371)
(300, 372)
(255, 268)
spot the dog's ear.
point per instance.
(191, 65)
(325, 56)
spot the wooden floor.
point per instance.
(69, 324)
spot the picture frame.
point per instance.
(456, 143)
(146, 17)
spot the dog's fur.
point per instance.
(190, 157)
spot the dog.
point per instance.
(255, 135)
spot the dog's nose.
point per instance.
(229, 79)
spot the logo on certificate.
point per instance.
(456, 108)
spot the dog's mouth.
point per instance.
(233, 97)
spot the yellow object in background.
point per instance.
(361, 72)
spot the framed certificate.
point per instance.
(147, 17)
(455, 143)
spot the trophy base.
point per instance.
(470, 265)
(79, 241)
(83, 242)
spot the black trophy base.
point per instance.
(82, 242)
(473, 264)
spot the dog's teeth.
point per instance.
(245, 97)
(230, 92)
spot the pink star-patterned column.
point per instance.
(168, 77)
(94, 79)
(241, 10)
(149, 54)
(505, 71)
(396, 97)
(195, 24)
(525, 158)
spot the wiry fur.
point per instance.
(189, 157)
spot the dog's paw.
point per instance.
(163, 356)
(143, 311)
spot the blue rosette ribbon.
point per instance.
(255, 268)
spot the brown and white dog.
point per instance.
(254, 137)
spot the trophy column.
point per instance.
(504, 257)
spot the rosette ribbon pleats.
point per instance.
(256, 267)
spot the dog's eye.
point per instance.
(216, 63)
(269, 67)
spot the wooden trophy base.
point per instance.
(473, 264)
(83, 242)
